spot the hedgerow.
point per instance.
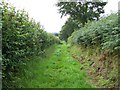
(104, 33)
(21, 37)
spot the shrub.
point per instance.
(21, 37)
(104, 33)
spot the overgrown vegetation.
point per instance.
(92, 47)
(57, 70)
(96, 44)
(102, 70)
(21, 37)
(68, 28)
(80, 13)
(104, 33)
(100, 44)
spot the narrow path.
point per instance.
(58, 69)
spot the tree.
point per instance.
(83, 12)
(68, 28)
(56, 34)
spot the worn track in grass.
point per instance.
(56, 69)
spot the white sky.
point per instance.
(45, 12)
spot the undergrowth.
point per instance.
(57, 69)
(104, 74)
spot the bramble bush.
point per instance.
(104, 33)
(21, 37)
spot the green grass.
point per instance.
(57, 70)
(104, 78)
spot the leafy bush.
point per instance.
(21, 38)
(104, 32)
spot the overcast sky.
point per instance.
(45, 12)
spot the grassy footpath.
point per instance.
(56, 70)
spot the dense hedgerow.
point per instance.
(104, 32)
(21, 37)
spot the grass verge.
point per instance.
(102, 74)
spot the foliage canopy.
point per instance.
(83, 12)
